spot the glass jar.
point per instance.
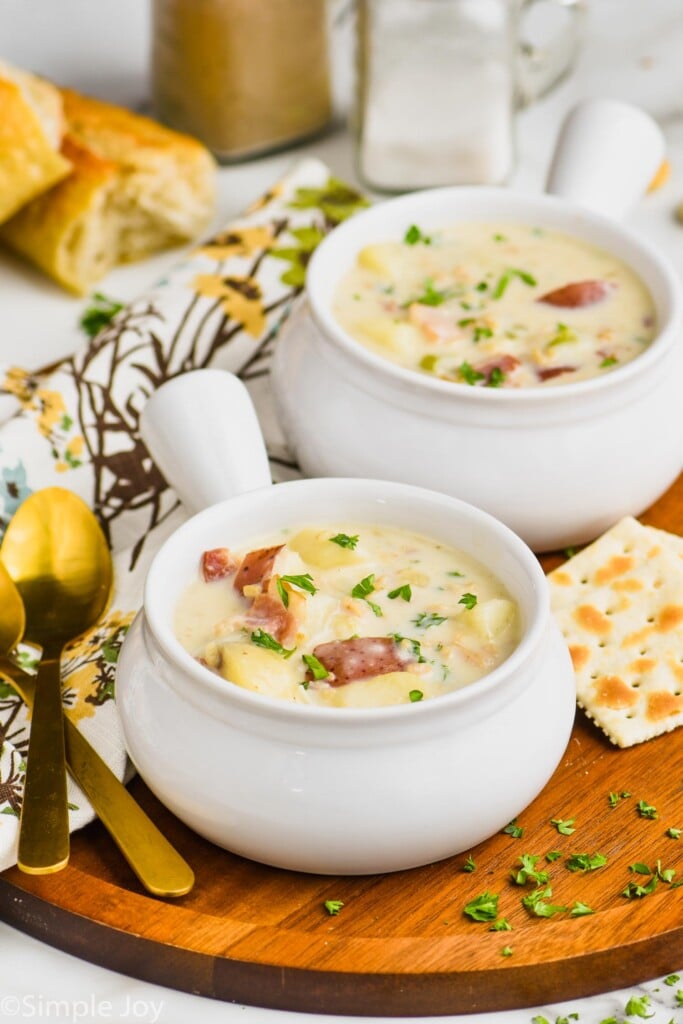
(243, 76)
(438, 85)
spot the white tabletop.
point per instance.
(633, 51)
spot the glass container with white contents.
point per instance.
(438, 85)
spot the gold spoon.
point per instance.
(56, 553)
(12, 615)
(156, 863)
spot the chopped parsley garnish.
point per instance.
(482, 332)
(634, 891)
(431, 296)
(316, 667)
(454, 572)
(563, 336)
(580, 910)
(553, 855)
(528, 872)
(674, 833)
(469, 374)
(469, 600)
(585, 861)
(614, 799)
(504, 281)
(506, 951)
(666, 874)
(263, 639)
(564, 827)
(344, 541)
(501, 925)
(333, 907)
(362, 591)
(413, 235)
(672, 979)
(304, 582)
(569, 552)
(426, 619)
(496, 378)
(537, 903)
(483, 907)
(469, 866)
(365, 587)
(637, 1006)
(404, 592)
(415, 646)
(99, 313)
(608, 361)
(499, 238)
(466, 321)
(415, 695)
(514, 830)
(646, 810)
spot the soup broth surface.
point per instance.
(347, 615)
(496, 305)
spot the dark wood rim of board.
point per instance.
(550, 970)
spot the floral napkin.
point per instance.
(77, 428)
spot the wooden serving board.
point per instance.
(401, 944)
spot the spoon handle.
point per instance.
(44, 824)
(160, 868)
(156, 863)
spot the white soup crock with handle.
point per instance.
(558, 464)
(316, 789)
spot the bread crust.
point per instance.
(30, 161)
(135, 188)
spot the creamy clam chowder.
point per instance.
(496, 305)
(347, 616)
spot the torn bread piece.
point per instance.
(619, 604)
(136, 188)
(31, 128)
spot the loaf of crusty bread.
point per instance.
(136, 187)
(31, 124)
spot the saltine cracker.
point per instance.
(619, 604)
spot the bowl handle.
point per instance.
(606, 155)
(202, 431)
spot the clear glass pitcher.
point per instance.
(439, 82)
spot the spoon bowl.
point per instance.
(56, 554)
(13, 618)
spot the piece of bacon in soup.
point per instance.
(218, 563)
(270, 615)
(548, 372)
(361, 657)
(256, 566)
(506, 364)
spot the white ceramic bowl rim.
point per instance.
(273, 707)
(317, 268)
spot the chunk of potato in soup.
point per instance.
(496, 305)
(347, 616)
